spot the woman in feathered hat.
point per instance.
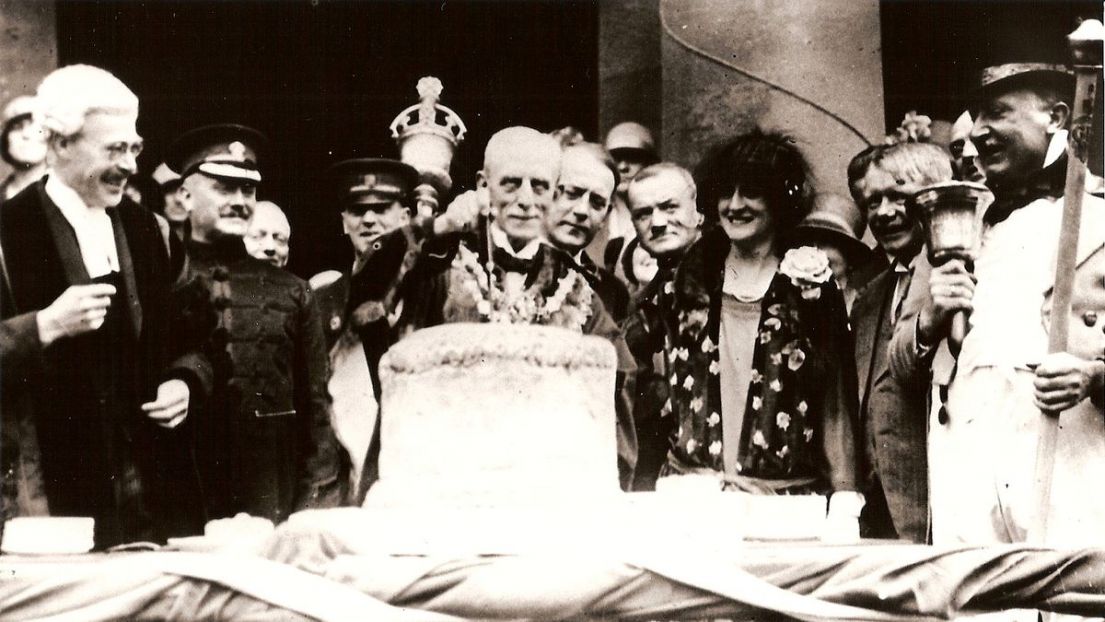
(763, 386)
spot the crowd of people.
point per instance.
(161, 367)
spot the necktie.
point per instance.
(509, 263)
(904, 280)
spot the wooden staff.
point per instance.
(1085, 45)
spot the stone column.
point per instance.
(810, 69)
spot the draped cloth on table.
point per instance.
(326, 574)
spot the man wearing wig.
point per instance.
(86, 311)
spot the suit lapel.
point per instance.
(65, 240)
(879, 351)
(869, 315)
(126, 267)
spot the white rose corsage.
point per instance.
(807, 267)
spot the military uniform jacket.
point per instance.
(263, 441)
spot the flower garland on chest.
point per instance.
(501, 299)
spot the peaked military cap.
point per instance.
(367, 181)
(227, 151)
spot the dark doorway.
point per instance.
(933, 50)
(324, 79)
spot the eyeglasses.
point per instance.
(117, 151)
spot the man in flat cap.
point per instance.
(983, 433)
(172, 206)
(85, 340)
(375, 197)
(632, 147)
(263, 441)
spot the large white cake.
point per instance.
(496, 415)
(500, 439)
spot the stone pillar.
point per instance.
(28, 49)
(810, 69)
(629, 64)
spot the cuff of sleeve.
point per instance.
(921, 349)
(196, 373)
(846, 503)
(1097, 386)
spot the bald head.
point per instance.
(517, 142)
(269, 234)
(520, 168)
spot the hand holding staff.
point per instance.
(1085, 45)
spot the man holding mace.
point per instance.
(988, 420)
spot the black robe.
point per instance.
(99, 454)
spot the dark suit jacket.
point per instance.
(892, 415)
(99, 452)
(614, 295)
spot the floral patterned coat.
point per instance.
(802, 402)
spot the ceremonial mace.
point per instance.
(951, 214)
(1085, 48)
(428, 134)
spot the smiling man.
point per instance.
(983, 434)
(264, 443)
(375, 196)
(892, 414)
(85, 300)
(580, 207)
(269, 234)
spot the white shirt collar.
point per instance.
(499, 239)
(92, 226)
(901, 268)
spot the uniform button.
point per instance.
(376, 246)
(1089, 318)
(220, 274)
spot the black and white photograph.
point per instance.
(545, 310)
